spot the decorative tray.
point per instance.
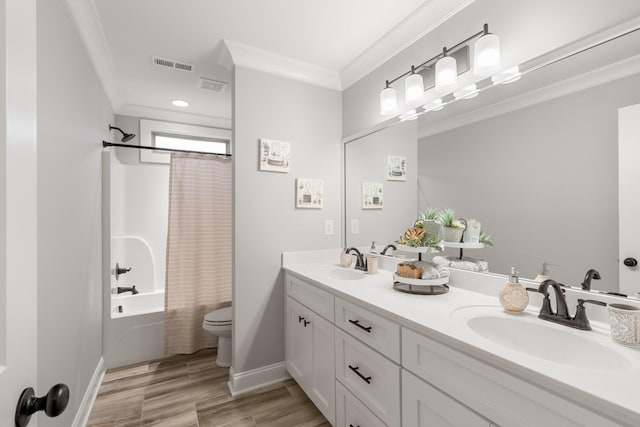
(459, 245)
(421, 286)
(414, 249)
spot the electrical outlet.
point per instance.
(355, 226)
(328, 227)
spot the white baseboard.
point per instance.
(82, 416)
(244, 382)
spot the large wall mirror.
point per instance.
(535, 161)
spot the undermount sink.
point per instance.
(345, 274)
(527, 334)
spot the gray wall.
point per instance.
(266, 222)
(73, 115)
(542, 180)
(366, 158)
(526, 30)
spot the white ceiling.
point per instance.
(347, 38)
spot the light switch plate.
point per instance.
(328, 227)
(355, 226)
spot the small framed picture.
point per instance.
(371, 195)
(396, 168)
(274, 155)
(309, 193)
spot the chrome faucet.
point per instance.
(131, 289)
(361, 263)
(561, 316)
(591, 274)
(386, 248)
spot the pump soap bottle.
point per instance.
(513, 296)
(345, 258)
(544, 273)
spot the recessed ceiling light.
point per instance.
(180, 103)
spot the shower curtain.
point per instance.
(198, 272)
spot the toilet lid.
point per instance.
(219, 317)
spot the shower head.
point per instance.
(125, 136)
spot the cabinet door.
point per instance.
(350, 412)
(298, 343)
(426, 406)
(322, 385)
(309, 352)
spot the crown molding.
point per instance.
(238, 54)
(87, 21)
(142, 111)
(422, 21)
(597, 77)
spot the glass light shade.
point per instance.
(486, 55)
(467, 92)
(388, 102)
(413, 90)
(506, 76)
(446, 74)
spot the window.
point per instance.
(181, 137)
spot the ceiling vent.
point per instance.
(170, 63)
(213, 85)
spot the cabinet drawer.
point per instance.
(376, 331)
(424, 405)
(314, 298)
(350, 412)
(371, 377)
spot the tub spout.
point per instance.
(131, 289)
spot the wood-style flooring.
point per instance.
(191, 391)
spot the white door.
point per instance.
(18, 286)
(629, 198)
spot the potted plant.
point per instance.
(429, 221)
(453, 228)
(417, 238)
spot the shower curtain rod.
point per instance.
(171, 150)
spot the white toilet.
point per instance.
(218, 323)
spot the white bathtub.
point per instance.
(126, 304)
(135, 334)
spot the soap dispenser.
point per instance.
(513, 296)
(544, 273)
(345, 258)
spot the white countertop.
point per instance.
(613, 391)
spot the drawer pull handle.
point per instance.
(357, 323)
(306, 322)
(356, 370)
(351, 425)
(300, 319)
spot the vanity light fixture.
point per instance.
(486, 62)
(467, 92)
(414, 89)
(486, 59)
(446, 73)
(180, 103)
(388, 101)
(506, 76)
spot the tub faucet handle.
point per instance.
(121, 270)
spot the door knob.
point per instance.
(53, 403)
(630, 262)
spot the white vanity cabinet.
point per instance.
(309, 344)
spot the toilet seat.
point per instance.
(221, 317)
